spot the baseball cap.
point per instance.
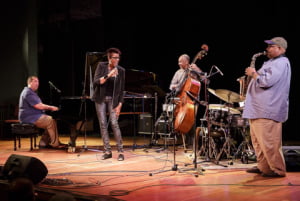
(280, 41)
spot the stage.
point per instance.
(153, 172)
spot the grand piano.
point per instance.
(77, 113)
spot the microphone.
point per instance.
(218, 70)
(116, 71)
(54, 87)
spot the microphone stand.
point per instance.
(83, 108)
(207, 145)
(172, 134)
(196, 103)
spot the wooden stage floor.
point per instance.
(148, 173)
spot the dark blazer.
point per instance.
(99, 89)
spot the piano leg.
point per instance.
(73, 135)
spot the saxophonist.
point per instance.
(266, 107)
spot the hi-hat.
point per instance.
(226, 95)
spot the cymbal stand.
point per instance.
(245, 148)
(208, 146)
(228, 147)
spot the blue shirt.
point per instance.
(27, 113)
(268, 95)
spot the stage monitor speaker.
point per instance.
(292, 158)
(24, 166)
(145, 124)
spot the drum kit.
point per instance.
(222, 119)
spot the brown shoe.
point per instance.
(254, 170)
(273, 174)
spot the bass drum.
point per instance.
(238, 121)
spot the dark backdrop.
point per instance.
(152, 34)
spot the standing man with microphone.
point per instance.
(109, 83)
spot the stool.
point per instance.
(24, 130)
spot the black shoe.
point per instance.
(61, 146)
(120, 157)
(273, 174)
(45, 147)
(106, 156)
(253, 170)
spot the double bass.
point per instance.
(185, 110)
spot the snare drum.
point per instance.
(218, 115)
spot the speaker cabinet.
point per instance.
(145, 124)
(24, 166)
(292, 158)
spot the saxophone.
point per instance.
(245, 80)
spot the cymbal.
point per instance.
(228, 96)
(223, 108)
(212, 91)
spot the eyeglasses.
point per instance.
(115, 57)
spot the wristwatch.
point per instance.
(105, 77)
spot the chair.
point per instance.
(24, 130)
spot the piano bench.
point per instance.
(19, 130)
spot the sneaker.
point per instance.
(106, 156)
(254, 170)
(120, 157)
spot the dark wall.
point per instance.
(18, 48)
